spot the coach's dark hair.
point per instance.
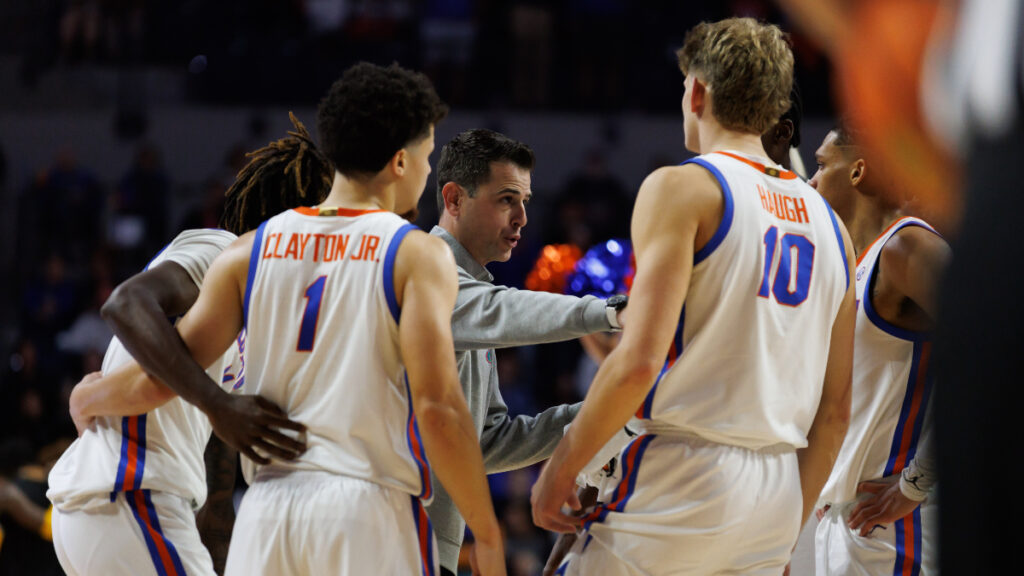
(285, 174)
(466, 159)
(371, 112)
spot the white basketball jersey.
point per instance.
(891, 388)
(322, 325)
(747, 364)
(160, 450)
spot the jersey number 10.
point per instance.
(793, 275)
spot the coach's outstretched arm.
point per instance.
(489, 316)
(825, 437)
(425, 286)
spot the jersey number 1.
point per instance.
(311, 315)
(802, 263)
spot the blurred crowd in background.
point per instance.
(76, 235)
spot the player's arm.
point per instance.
(885, 500)
(426, 286)
(510, 443)
(126, 391)
(137, 311)
(825, 437)
(207, 330)
(216, 519)
(666, 220)
(912, 262)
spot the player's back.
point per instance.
(322, 343)
(891, 387)
(747, 363)
(163, 449)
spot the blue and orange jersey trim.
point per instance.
(727, 210)
(675, 350)
(912, 412)
(860, 256)
(254, 262)
(631, 458)
(903, 449)
(865, 296)
(908, 544)
(839, 237)
(770, 171)
(389, 270)
(165, 556)
(131, 467)
(424, 536)
(415, 443)
(335, 211)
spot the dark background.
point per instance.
(122, 122)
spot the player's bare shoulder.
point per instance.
(233, 262)
(677, 196)
(425, 258)
(421, 247)
(238, 252)
(911, 263)
(913, 242)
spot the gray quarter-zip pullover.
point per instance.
(488, 317)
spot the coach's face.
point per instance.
(491, 220)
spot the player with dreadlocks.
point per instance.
(136, 474)
(284, 174)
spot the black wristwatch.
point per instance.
(612, 308)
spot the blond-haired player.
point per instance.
(744, 280)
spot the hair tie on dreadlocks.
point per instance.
(284, 174)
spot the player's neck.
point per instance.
(713, 138)
(869, 222)
(360, 194)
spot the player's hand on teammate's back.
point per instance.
(247, 423)
(886, 504)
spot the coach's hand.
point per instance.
(247, 423)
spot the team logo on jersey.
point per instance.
(239, 377)
(489, 356)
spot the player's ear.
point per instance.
(784, 131)
(858, 170)
(452, 194)
(698, 94)
(399, 162)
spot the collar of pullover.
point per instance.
(463, 258)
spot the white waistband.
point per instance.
(690, 437)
